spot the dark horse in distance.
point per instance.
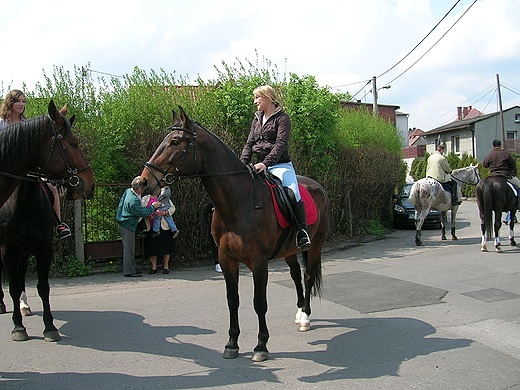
(27, 219)
(494, 194)
(244, 225)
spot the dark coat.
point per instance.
(269, 142)
(500, 163)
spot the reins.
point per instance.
(73, 180)
(169, 178)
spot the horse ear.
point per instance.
(55, 114)
(63, 111)
(184, 118)
(176, 119)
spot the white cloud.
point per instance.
(338, 41)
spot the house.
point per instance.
(385, 111)
(474, 132)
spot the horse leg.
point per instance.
(512, 241)
(25, 309)
(454, 210)
(3, 309)
(43, 263)
(312, 277)
(444, 222)
(420, 217)
(483, 243)
(260, 274)
(16, 283)
(230, 273)
(296, 276)
(497, 225)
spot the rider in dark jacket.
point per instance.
(501, 163)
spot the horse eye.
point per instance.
(174, 142)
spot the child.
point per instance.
(164, 198)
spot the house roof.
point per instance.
(463, 123)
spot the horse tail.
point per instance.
(318, 278)
(487, 207)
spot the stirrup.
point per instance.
(302, 240)
(63, 231)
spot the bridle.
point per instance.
(477, 175)
(169, 177)
(56, 141)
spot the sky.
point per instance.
(342, 43)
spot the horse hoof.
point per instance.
(444, 238)
(26, 311)
(512, 243)
(483, 249)
(230, 353)
(304, 326)
(52, 335)
(19, 335)
(260, 356)
(499, 250)
(454, 238)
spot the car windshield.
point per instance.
(405, 191)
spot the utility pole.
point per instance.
(501, 113)
(375, 111)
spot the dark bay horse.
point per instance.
(427, 194)
(494, 194)
(46, 145)
(27, 218)
(244, 224)
(27, 224)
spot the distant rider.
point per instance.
(501, 163)
(439, 169)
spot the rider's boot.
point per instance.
(303, 240)
(455, 201)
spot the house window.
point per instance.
(511, 135)
(517, 118)
(455, 144)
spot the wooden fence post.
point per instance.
(78, 231)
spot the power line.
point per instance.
(509, 89)
(443, 35)
(107, 74)
(422, 40)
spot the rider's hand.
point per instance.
(156, 204)
(260, 167)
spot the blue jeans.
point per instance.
(157, 221)
(285, 172)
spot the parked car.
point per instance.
(404, 212)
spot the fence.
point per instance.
(102, 237)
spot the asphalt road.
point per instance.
(392, 316)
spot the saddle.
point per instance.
(282, 205)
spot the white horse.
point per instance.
(428, 194)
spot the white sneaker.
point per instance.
(218, 268)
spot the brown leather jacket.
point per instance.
(500, 163)
(269, 142)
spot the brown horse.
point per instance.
(45, 145)
(27, 219)
(244, 225)
(494, 194)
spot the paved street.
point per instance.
(392, 316)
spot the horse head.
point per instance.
(66, 160)
(174, 157)
(467, 175)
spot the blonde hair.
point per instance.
(6, 110)
(268, 92)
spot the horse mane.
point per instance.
(19, 141)
(220, 142)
